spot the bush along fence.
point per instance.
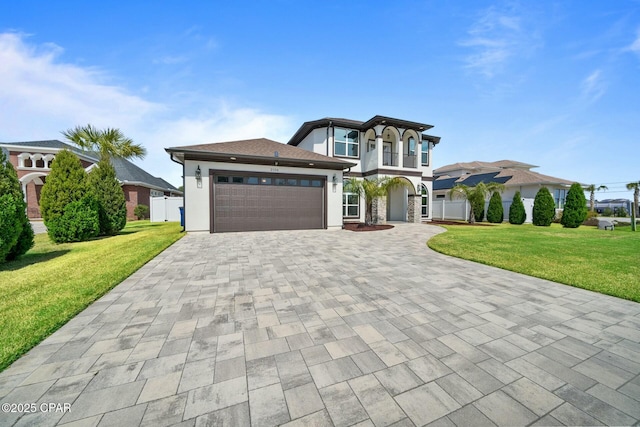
(444, 209)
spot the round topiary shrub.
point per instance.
(544, 208)
(517, 214)
(575, 207)
(80, 221)
(495, 211)
(141, 211)
(66, 183)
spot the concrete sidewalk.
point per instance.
(313, 328)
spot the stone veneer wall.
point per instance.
(379, 211)
(414, 209)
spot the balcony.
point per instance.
(409, 161)
(389, 159)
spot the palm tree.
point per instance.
(592, 198)
(475, 195)
(108, 142)
(373, 188)
(635, 186)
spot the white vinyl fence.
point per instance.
(165, 209)
(444, 209)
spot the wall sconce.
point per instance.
(418, 188)
(334, 179)
(198, 173)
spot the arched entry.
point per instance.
(31, 187)
(398, 201)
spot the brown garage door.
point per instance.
(267, 202)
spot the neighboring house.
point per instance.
(515, 176)
(614, 204)
(32, 161)
(260, 184)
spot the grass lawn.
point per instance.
(603, 261)
(51, 283)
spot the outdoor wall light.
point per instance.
(198, 173)
(419, 188)
(334, 179)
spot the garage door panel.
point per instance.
(242, 207)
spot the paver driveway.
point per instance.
(334, 328)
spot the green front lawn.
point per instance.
(52, 283)
(603, 261)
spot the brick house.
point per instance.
(32, 161)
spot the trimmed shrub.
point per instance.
(9, 228)
(16, 215)
(575, 207)
(141, 211)
(66, 183)
(544, 208)
(495, 211)
(80, 221)
(607, 212)
(517, 214)
(112, 206)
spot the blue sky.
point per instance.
(552, 83)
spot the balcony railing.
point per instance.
(409, 161)
(389, 159)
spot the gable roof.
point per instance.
(307, 127)
(483, 166)
(506, 176)
(126, 171)
(257, 151)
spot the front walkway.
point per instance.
(333, 328)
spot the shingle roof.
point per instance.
(128, 172)
(486, 166)
(508, 177)
(125, 170)
(260, 148)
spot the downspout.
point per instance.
(330, 126)
(184, 192)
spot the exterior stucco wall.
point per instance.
(198, 197)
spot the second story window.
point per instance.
(411, 148)
(346, 142)
(425, 153)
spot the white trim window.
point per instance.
(425, 201)
(350, 205)
(425, 153)
(346, 142)
(156, 193)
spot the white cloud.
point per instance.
(41, 95)
(593, 86)
(494, 39)
(635, 46)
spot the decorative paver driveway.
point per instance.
(336, 328)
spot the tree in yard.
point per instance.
(635, 186)
(544, 208)
(495, 211)
(106, 189)
(66, 184)
(16, 234)
(110, 197)
(108, 142)
(371, 189)
(517, 214)
(575, 207)
(476, 196)
(592, 194)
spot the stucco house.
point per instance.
(32, 161)
(260, 184)
(514, 175)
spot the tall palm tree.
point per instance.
(108, 142)
(635, 186)
(592, 197)
(373, 188)
(475, 195)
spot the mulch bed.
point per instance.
(439, 222)
(355, 226)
